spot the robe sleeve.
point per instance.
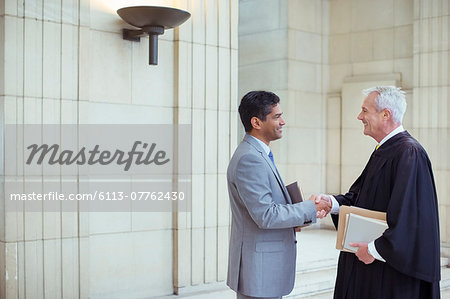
(411, 243)
(349, 198)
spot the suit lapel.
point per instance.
(255, 144)
(277, 176)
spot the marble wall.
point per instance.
(321, 53)
(66, 62)
(403, 42)
(370, 43)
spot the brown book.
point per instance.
(295, 193)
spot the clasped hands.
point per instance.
(323, 204)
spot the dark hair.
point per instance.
(256, 104)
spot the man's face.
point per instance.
(372, 120)
(272, 127)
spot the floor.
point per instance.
(316, 248)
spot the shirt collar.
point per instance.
(394, 132)
(264, 146)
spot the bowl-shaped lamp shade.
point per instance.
(143, 16)
(152, 20)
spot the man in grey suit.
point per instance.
(263, 249)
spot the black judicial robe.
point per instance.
(398, 179)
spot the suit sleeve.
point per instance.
(253, 186)
(411, 243)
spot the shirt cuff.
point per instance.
(334, 205)
(373, 251)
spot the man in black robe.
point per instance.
(405, 261)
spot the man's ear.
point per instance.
(387, 114)
(256, 123)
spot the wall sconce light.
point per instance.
(152, 20)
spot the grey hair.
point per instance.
(391, 98)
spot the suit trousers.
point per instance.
(242, 296)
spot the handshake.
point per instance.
(323, 204)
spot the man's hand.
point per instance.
(363, 253)
(323, 204)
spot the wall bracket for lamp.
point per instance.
(152, 20)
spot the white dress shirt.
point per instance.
(335, 205)
(264, 146)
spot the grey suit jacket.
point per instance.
(263, 251)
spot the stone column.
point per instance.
(431, 107)
(42, 253)
(206, 52)
(284, 49)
